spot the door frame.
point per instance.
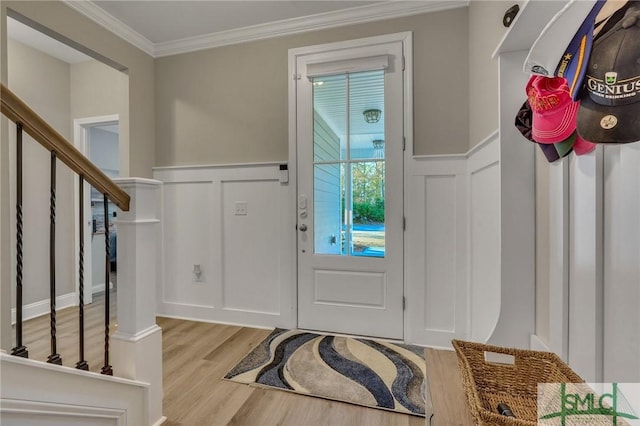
(407, 51)
(81, 128)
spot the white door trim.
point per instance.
(406, 39)
(80, 133)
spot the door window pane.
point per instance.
(329, 117)
(328, 207)
(366, 115)
(367, 192)
(349, 164)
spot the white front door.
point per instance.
(349, 121)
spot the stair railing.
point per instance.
(29, 121)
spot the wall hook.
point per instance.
(510, 15)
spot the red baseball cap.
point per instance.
(554, 112)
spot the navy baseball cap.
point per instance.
(573, 64)
(549, 49)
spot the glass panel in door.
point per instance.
(349, 164)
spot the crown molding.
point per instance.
(357, 15)
(116, 26)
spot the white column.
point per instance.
(136, 347)
(517, 247)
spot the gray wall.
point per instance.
(60, 93)
(104, 147)
(98, 90)
(485, 32)
(43, 83)
(230, 104)
(61, 19)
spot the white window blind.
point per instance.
(370, 63)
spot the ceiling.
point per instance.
(167, 21)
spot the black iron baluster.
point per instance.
(81, 364)
(20, 349)
(106, 369)
(55, 357)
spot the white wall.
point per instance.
(246, 260)
(621, 263)
(594, 287)
(452, 252)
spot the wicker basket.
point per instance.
(488, 383)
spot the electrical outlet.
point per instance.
(197, 273)
(241, 208)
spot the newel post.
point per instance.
(137, 343)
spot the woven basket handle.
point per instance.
(499, 358)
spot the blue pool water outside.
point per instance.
(373, 229)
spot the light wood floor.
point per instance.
(195, 358)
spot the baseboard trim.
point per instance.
(213, 321)
(160, 421)
(99, 288)
(37, 309)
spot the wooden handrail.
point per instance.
(19, 112)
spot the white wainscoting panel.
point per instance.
(585, 266)
(188, 239)
(595, 263)
(484, 240)
(621, 263)
(235, 222)
(559, 258)
(440, 266)
(250, 259)
(36, 393)
(436, 250)
(453, 245)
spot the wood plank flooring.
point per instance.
(196, 356)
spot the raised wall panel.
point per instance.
(440, 259)
(621, 263)
(485, 250)
(187, 238)
(585, 266)
(558, 261)
(247, 259)
(436, 255)
(251, 276)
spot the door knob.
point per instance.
(303, 227)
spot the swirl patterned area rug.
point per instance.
(359, 371)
